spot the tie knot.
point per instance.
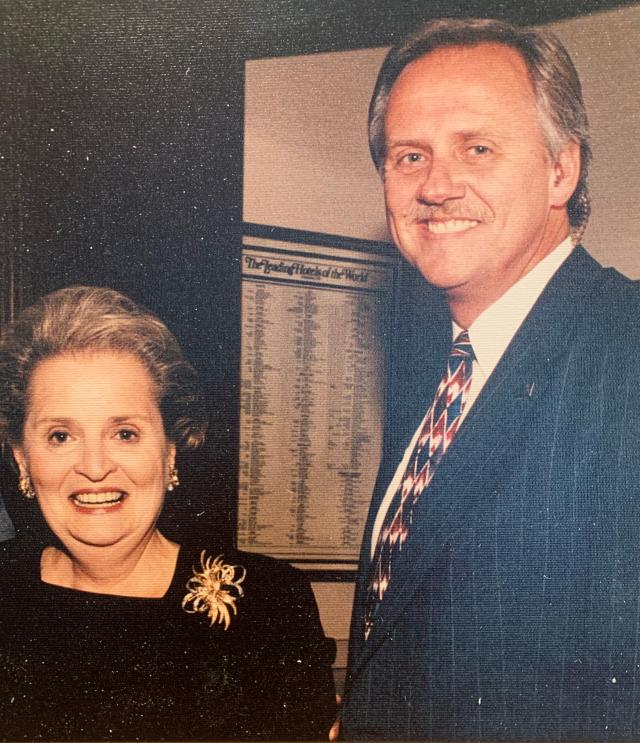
(462, 345)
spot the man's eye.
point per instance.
(58, 437)
(408, 162)
(480, 149)
(126, 434)
(411, 157)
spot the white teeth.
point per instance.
(93, 499)
(451, 225)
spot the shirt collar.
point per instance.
(493, 329)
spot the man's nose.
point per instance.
(94, 461)
(442, 181)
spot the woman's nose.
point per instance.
(94, 461)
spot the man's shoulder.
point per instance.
(614, 303)
(603, 300)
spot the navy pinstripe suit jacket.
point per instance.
(515, 609)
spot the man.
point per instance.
(498, 596)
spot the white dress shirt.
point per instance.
(490, 334)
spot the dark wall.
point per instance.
(123, 153)
(285, 27)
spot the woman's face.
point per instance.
(95, 448)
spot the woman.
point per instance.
(111, 631)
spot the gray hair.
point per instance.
(556, 86)
(88, 318)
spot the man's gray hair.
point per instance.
(556, 85)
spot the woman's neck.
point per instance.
(146, 571)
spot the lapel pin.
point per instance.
(527, 391)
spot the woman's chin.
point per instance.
(97, 535)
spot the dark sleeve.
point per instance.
(308, 694)
(296, 657)
(6, 527)
(613, 617)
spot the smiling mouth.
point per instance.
(448, 226)
(98, 500)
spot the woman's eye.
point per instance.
(411, 157)
(58, 437)
(126, 434)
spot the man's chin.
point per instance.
(448, 279)
(441, 266)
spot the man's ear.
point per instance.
(565, 174)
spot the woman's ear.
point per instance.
(171, 456)
(173, 480)
(21, 461)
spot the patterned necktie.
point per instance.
(437, 433)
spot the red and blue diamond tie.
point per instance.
(438, 431)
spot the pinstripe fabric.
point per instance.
(517, 615)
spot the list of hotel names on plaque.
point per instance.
(314, 323)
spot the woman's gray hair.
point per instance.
(88, 318)
(556, 85)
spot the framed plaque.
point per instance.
(317, 315)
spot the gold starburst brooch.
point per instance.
(214, 590)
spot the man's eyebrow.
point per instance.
(407, 143)
(462, 135)
(478, 132)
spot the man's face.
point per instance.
(473, 198)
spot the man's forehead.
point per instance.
(484, 90)
(490, 59)
(482, 75)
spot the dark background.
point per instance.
(121, 163)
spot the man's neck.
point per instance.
(467, 303)
(508, 305)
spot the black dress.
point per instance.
(84, 666)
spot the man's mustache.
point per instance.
(450, 210)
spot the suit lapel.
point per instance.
(501, 411)
(417, 355)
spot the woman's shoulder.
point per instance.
(264, 565)
(260, 582)
(250, 563)
(17, 552)
(19, 565)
